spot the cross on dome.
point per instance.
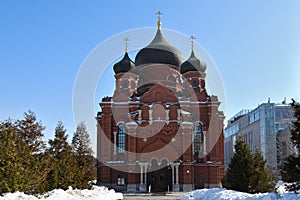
(158, 17)
(126, 44)
(192, 38)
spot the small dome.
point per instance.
(192, 64)
(159, 51)
(124, 65)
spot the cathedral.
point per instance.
(161, 130)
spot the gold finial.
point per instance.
(192, 38)
(158, 17)
(126, 44)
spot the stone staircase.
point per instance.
(153, 196)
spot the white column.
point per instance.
(150, 116)
(167, 114)
(173, 174)
(115, 143)
(145, 177)
(178, 114)
(177, 173)
(141, 166)
(204, 143)
(140, 115)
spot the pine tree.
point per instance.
(262, 179)
(84, 157)
(63, 170)
(291, 166)
(240, 168)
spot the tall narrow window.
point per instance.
(125, 84)
(121, 138)
(198, 136)
(195, 84)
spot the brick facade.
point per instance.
(147, 132)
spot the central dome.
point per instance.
(159, 51)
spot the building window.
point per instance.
(233, 143)
(125, 84)
(231, 130)
(195, 84)
(254, 116)
(121, 179)
(121, 138)
(198, 136)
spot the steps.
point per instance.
(154, 196)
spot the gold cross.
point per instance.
(192, 38)
(158, 16)
(126, 43)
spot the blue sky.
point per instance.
(255, 45)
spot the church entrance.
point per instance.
(159, 176)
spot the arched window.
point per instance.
(121, 138)
(125, 84)
(195, 84)
(198, 138)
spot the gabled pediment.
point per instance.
(159, 93)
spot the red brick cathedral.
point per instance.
(160, 131)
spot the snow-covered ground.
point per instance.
(70, 194)
(223, 194)
(100, 193)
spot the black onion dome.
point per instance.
(124, 65)
(192, 64)
(159, 51)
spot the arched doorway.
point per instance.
(159, 176)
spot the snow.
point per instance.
(70, 194)
(103, 193)
(222, 194)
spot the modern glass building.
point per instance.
(266, 128)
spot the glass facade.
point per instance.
(260, 128)
(232, 130)
(254, 116)
(268, 135)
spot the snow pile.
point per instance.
(70, 194)
(223, 194)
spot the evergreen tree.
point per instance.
(22, 159)
(240, 168)
(248, 173)
(11, 168)
(262, 180)
(34, 158)
(291, 166)
(84, 157)
(63, 161)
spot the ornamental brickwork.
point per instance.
(160, 130)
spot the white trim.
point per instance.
(120, 122)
